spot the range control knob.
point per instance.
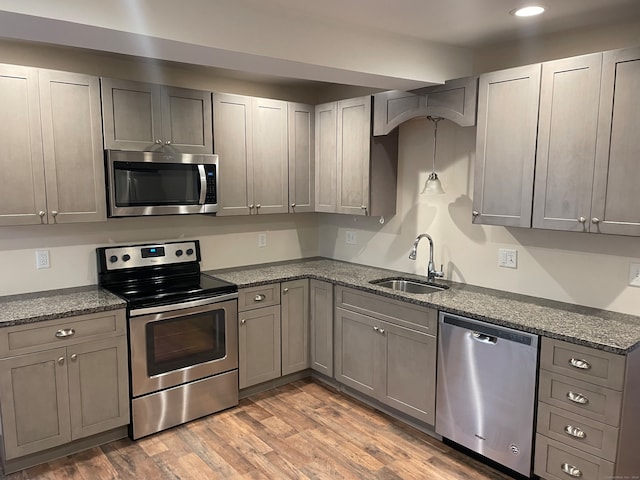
(113, 259)
(189, 251)
(178, 253)
(126, 257)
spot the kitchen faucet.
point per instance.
(431, 271)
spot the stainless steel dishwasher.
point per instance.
(487, 389)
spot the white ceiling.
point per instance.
(399, 44)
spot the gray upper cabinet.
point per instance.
(22, 196)
(54, 169)
(506, 146)
(567, 127)
(394, 107)
(251, 140)
(365, 172)
(295, 326)
(147, 117)
(301, 135)
(617, 169)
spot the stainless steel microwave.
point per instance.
(155, 183)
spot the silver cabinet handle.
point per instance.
(243, 321)
(158, 142)
(74, 357)
(65, 332)
(381, 330)
(375, 328)
(577, 398)
(257, 205)
(168, 142)
(41, 213)
(293, 205)
(260, 297)
(475, 213)
(54, 213)
(595, 220)
(285, 290)
(574, 432)
(251, 205)
(571, 470)
(581, 364)
(582, 220)
(61, 361)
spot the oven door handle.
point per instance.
(203, 184)
(179, 306)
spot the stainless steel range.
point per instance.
(183, 333)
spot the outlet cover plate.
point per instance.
(508, 258)
(42, 259)
(351, 237)
(262, 239)
(634, 274)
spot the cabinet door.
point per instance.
(506, 146)
(232, 130)
(409, 379)
(259, 346)
(357, 350)
(301, 158)
(132, 118)
(35, 402)
(353, 146)
(72, 146)
(617, 172)
(321, 324)
(270, 157)
(295, 326)
(98, 386)
(186, 120)
(326, 157)
(567, 127)
(22, 196)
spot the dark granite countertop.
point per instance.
(53, 304)
(603, 329)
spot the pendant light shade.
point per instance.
(433, 186)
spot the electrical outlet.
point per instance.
(634, 274)
(42, 259)
(507, 258)
(262, 239)
(351, 237)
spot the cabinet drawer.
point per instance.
(578, 431)
(584, 363)
(394, 311)
(592, 401)
(258, 297)
(553, 460)
(33, 337)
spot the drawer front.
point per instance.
(258, 297)
(592, 401)
(553, 460)
(584, 363)
(394, 311)
(578, 431)
(34, 337)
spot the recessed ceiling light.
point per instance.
(528, 11)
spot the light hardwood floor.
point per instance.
(301, 430)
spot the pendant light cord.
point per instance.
(435, 121)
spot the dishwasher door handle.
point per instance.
(481, 337)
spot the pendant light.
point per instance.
(433, 186)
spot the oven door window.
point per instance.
(185, 341)
(140, 184)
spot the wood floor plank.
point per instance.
(303, 430)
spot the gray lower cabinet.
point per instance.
(259, 346)
(588, 412)
(147, 116)
(387, 349)
(295, 326)
(52, 396)
(53, 166)
(321, 326)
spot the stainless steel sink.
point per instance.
(408, 285)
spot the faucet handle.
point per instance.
(440, 274)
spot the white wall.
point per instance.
(587, 269)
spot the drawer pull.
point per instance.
(571, 470)
(581, 364)
(260, 297)
(577, 398)
(575, 432)
(65, 332)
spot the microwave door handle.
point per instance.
(203, 184)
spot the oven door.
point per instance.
(182, 345)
